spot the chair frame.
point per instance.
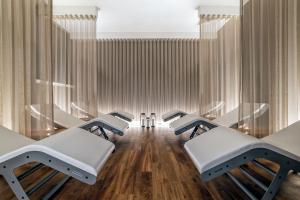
(286, 164)
(7, 171)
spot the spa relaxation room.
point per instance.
(149, 100)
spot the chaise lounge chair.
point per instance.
(229, 119)
(221, 149)
(178, 113)
(173, 114)
(120, 114)
(66, 120)
(74, 152)
(105, 122)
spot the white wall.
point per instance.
(147, 18)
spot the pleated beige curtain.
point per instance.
(148, 75)
(76, 63)
(219, 57)
(271, 63)
(62, 88)
(25, 65)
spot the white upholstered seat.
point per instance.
(123, 115)
(227, 120)
(217, 146)
(172, 113)
(117, 124)
(66, 120)
(222, 144)
(185, 121)
(74, 146)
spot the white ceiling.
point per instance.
(126, 18)
(196, 3)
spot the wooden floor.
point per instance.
(151, 164)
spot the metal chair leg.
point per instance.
(275, 184)
(194, 132)
(15, 185)
(104, 133)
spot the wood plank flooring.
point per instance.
(151, 164)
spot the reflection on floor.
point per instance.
(150, 164)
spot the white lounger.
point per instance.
(221, 149)
(120, 114)
(74, 152)
(172, 114)
(66, 120)
(123, 115)
(107, 122)
(229, 119)
(178, 113)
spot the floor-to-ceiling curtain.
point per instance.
(25, 65)
(270, 64)
(298, 48)
(76, 63)
(148, 75)
(62, 88)
(219, 57)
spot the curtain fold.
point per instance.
(219, 63)
(25, 65)
(62, 87)
(270, 64)
(75, 72)
(148, 75)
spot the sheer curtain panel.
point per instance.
(25, 65)
(270, 64)
(148, 75)
(76, 63)
(219, 58)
